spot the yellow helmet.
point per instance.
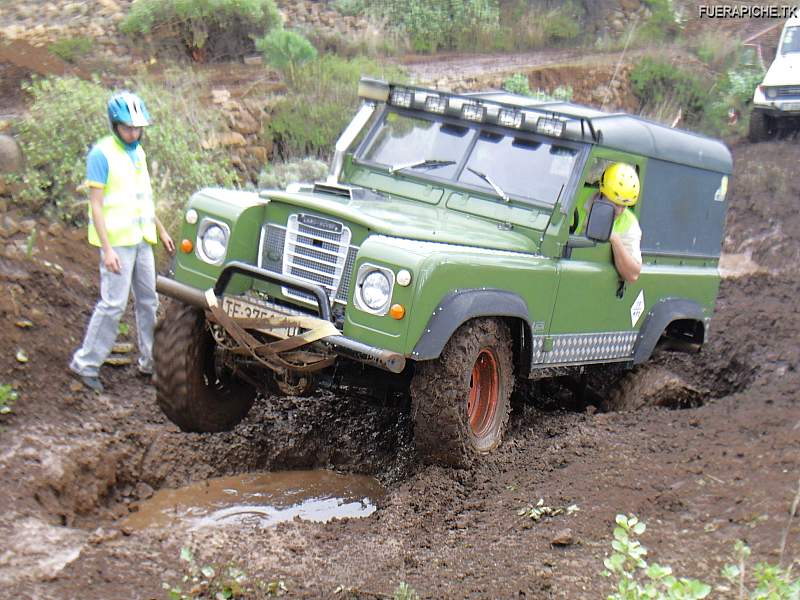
(620, 184)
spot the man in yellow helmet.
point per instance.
(620, 185)
(123, 225)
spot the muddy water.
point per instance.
(263, 499)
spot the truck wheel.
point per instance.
(191, 391)
(461, 399)
(759, 129)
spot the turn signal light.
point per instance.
(187, 246)
(397, 311)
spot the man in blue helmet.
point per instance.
(123, 224)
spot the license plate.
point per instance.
(791, 106)
(242, 309)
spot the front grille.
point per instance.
(344, 285)
(317, 250)
(272, 248)
(789, 91)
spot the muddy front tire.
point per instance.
(461, 399)
(760, 127)
(191, 391)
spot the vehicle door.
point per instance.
(596, 314)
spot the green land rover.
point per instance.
(443, 251)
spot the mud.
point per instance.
(263, 499)
(76, 466)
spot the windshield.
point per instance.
(415, 142)
(791, 40)
(500, 163)
(521, 167)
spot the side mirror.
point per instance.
(601, 220)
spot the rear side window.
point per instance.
(682, 210)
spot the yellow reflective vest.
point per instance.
(128, 208)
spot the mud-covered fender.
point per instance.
(460, 306)
(664, 312)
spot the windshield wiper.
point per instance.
(488, 180)
(430, 162)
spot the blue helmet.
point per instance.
(129, 109)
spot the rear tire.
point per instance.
(461, 399)
(191, 391)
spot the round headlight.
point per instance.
(191, 216)
(214, 242)
(771, 92)
(375, 290)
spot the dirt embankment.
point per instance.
(73, 464)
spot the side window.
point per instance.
(590, 187)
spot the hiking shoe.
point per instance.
(93, 383)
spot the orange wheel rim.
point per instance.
(483, 393)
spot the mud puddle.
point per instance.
(261, 499)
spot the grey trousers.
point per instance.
(138, 274)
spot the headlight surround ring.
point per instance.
(212, 241)
(374, 286)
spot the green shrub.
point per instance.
(431, 25)
(206, 28)
(7, 398)
(202, 581)
(655, 82)
(517, 84)
(70, 49)
(403, 591)
(67, 115)
(276, 176)
(349, 8)
(286, 51)
(563, 23)
(320, 103)
(734, 92)
(663, 23)
(635, 579)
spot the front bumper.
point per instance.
(350, 348)
(779, 110)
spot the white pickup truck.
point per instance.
(777, 98)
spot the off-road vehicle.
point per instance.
(776, 100)
(442, 250)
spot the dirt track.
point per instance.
(73, 464)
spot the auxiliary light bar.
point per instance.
(528, 118)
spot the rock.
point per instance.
(220, 96)
(143, 491)
(255, 59)
(119, 361)
(232, 138)
(10, 154)
(258, 152)
(101, 535)
(245, 124)
(122, 348)
(55, 229)
(630, 5)
(27, 225)
(563, 538)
